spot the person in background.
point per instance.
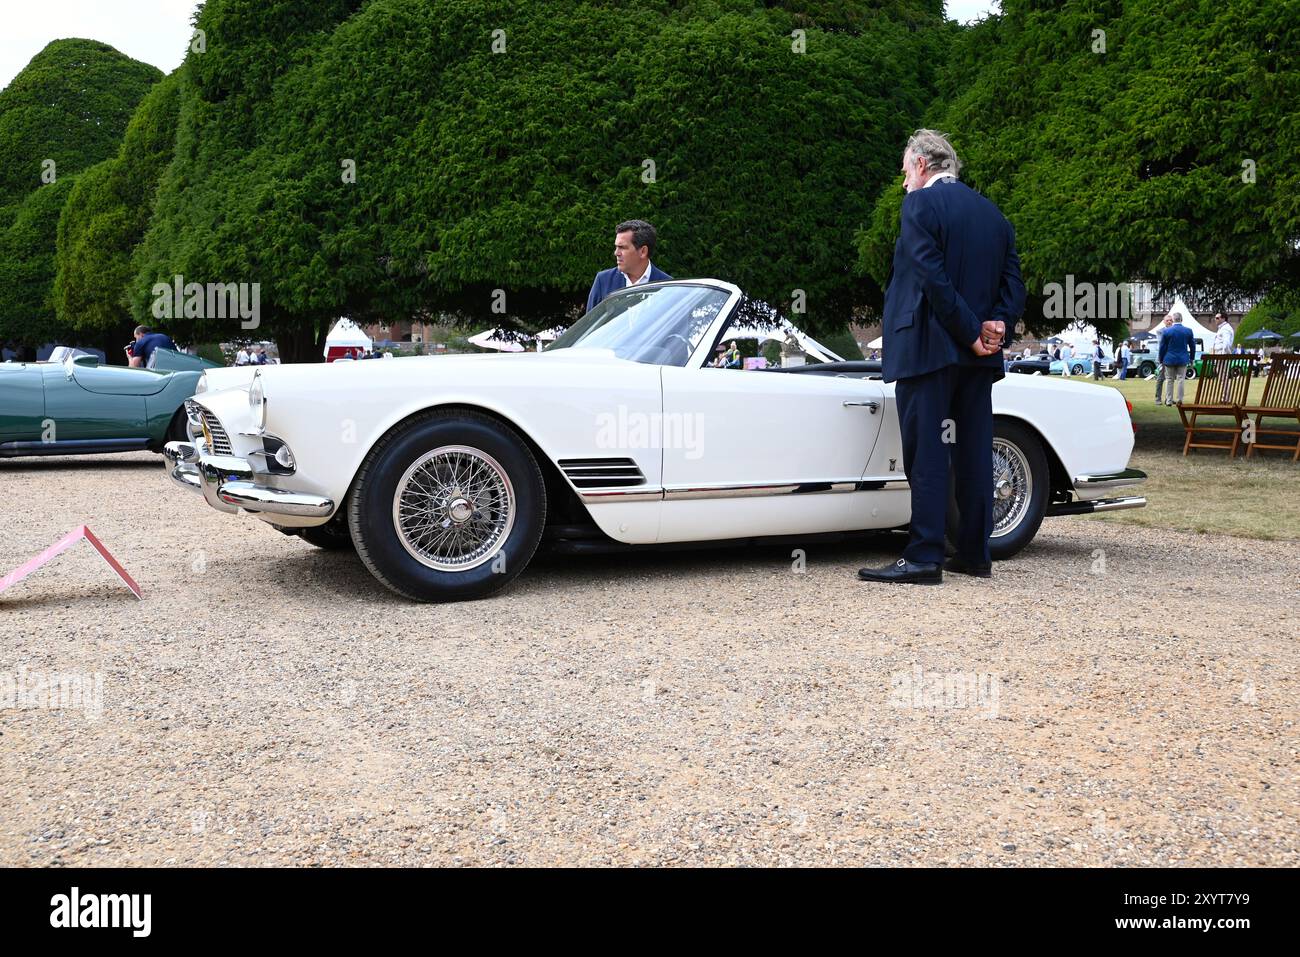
(1098, 356)
(1067, 353)
(260, 358)
(1223, 335)
(1160, 372)
(244, 356)
(1125, 354)
(1177, 346)
(140, 352)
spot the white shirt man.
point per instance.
(1223, 338)
(1067, 354)
(244, 356)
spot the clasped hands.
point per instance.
(990, 340)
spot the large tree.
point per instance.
(105, 218)
(407, 155)
(66, 111)
(1135, 140)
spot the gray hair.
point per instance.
(938, 152)
(643, 234)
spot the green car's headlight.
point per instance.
(257, 402)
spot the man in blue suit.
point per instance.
(1177, 349)
(954, 289)
(634, 242)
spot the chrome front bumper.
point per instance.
(228, 483)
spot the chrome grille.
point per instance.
(602, 473)
(220, 439)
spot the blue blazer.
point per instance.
(955, 267)
(1177, 345)
(611, 280)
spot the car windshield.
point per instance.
(659, 325)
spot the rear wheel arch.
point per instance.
(1061, 481)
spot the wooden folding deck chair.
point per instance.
(1221, 390)
(1281, 400)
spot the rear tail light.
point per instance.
(1129, 405)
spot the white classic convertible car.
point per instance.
(446, 473)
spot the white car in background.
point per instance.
(446, 473)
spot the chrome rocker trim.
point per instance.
(228, 483)
(674, 493)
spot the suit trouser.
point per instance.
(946, 423)
(1174, 375)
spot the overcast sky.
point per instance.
(158, 31)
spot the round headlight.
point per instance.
(257, 402)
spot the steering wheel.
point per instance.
(685, 351)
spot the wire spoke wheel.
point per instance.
(454, 508)
(1013, 486)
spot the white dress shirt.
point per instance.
(645, 277)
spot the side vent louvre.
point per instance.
(602, 473)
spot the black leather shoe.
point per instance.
(903, 572)
(962, 568)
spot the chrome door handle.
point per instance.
(873, 406)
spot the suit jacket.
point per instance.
(1177, 345)
(955, 267)
(611, 280)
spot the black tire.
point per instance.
(1021, 531)
(1076, 370)
(1146, 369)
(504, 522)
(177, 431)
(1191, 372)
(333, 536)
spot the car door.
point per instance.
(99, 402)
(22, 401)
(751, 453)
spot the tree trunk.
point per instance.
(302, 343)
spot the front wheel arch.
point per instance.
(563, 504)
(390, 545)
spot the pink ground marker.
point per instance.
(61, 546)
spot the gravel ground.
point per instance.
(1114, 696)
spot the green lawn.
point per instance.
(1206, 491)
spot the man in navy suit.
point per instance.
(954, 289)
(1177, 350)
(634, 242)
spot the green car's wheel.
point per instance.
(177, 431)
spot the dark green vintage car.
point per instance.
(77, 406)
